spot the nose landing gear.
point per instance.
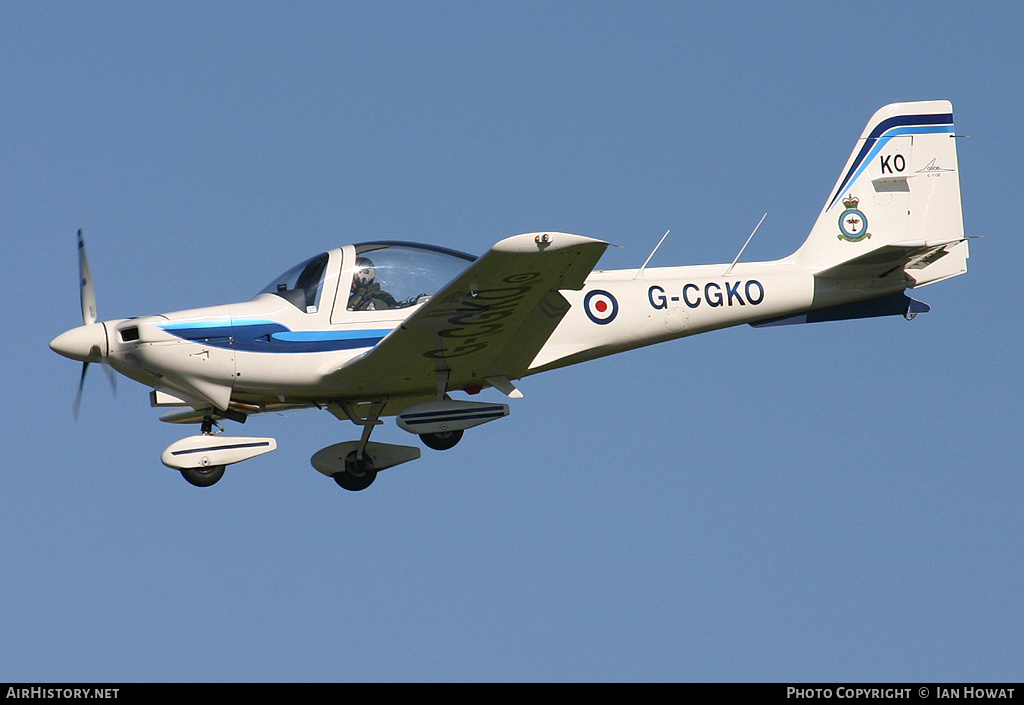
(201, 459)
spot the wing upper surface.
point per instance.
(490, 321)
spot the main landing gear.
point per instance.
(439, 423)
(354, 465)
(358, 474)
(442, 440)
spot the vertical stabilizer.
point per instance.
(900, 185)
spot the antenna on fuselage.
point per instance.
(745, 245)
(646, 261)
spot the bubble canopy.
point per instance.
(381, 275)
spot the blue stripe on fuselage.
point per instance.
(270, 337)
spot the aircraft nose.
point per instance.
(86, 343)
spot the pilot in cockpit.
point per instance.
(366, 292)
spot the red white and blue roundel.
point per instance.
(601, 307)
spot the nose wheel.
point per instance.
(201, 459)
(203, 477)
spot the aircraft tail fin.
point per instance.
(896, 204)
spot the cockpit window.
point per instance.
(391, 275)
(300, 285)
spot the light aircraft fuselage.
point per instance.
(394, 329)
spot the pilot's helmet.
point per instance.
(365, 272)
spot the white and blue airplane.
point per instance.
(396, 329)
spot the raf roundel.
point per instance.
(601, 307)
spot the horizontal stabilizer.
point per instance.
(910, 258)
(894, 305)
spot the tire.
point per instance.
(441, 441)
(203, 477)
(358, 474)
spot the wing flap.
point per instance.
(488, 322)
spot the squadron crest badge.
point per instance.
(853, 224)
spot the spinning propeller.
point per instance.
(87, 342)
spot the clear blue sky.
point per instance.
(824, 502)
